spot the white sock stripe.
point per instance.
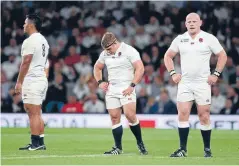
(116, 126)
(182, 124)
(134, 124)
(205, 127)
(42, 135)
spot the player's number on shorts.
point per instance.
(43, 50)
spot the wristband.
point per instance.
(132, 85)
(216, 73)
(99, 82)
(172, 72)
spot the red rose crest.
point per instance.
(200, 40)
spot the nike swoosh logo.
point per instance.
(35, 148)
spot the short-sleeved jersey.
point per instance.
(38, 47)
(195, 54)
(120, 65)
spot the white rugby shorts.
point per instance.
(200, 92)
(34, 90)
(114, 96)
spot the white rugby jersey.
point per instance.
(195, 54)
(119, 66)
(37, 45)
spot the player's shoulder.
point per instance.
(180, 37)
(207, 36)
(102, 54)
(127, 47)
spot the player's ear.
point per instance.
(200, 22)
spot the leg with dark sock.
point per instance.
(136, 130)
(183, 131)
(34, 113)
(35, 140)
(42, 133)
(117, 131)
(206, 135)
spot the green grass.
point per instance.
(85, 147)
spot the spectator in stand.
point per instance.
(56, 94)
(81, 89)
(228, 107)
(94, 105)
(166, 105)
(229, 72)
(84, 66)
(172, 90)
(234, 97)
(236, 86)
(73, 57)
(12, 49)
(11, 66)
(141, 101)
(72, 106)
(218, 100)
(155, 57)
(156, 86)
(152, 106)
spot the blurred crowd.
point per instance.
(74, 31)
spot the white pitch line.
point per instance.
(60, 156)
(97, 155)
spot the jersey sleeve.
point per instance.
(133, 55)
(174, 45)
(47, 64)
(28, 47)
(101, 58)
(214, 45)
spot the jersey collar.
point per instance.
(199, 35)
(119, 49)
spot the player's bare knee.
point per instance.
(131, 117)
(115, 119)
(183, 114)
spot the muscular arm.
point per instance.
(139, 71)
(24, 68)
(222, 59)
(98, 67)
(46, 72)
(168, 59)
(46, 69)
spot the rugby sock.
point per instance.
(41, 140)
(183, 130)
(117, 131)
(206, 135)
(35, 140)
(136, 130)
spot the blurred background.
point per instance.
(74, 31)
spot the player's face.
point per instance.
(111, 49)
(193, 24)
(27, 25)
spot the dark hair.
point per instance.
(36, 21)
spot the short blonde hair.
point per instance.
(108, 39)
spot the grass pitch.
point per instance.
(86, 147)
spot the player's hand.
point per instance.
(104, 86)
(18, 88)
(128, 91)
(212, 79)
(176, 78)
